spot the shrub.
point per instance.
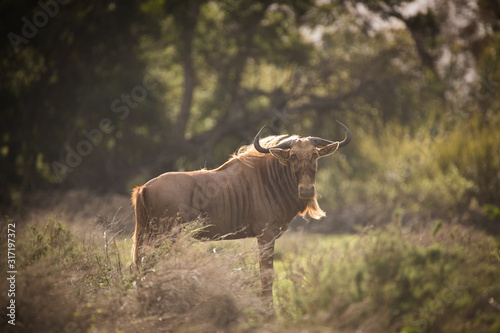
(474, 151)
(425, 175)
(395, 173)
(383, 281)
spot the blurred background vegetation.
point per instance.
(104, 95)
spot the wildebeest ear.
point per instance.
(327, 150)
(281, 154)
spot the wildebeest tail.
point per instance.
(141, 222)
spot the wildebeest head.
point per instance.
(302, 155)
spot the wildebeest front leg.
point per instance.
(266, 252)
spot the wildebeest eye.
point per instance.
(293, 157)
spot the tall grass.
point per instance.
(387, 280)
(70, 283)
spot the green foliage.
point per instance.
(52, 240)
(401, 172)
(56, 246)
(430, 172)
(382, 281)
(437, 227)
(492, 212)
(473, 150)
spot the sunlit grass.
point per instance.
(384, 281)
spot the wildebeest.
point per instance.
(256, 193)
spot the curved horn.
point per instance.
(323, 142)
(347, 137)
(257, 145)
(287, 144)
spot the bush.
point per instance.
(394, 174)
(422, 176)
(383, 281)
(474, 151)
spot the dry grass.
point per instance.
(69, 283)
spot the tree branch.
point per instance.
(188, 31)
